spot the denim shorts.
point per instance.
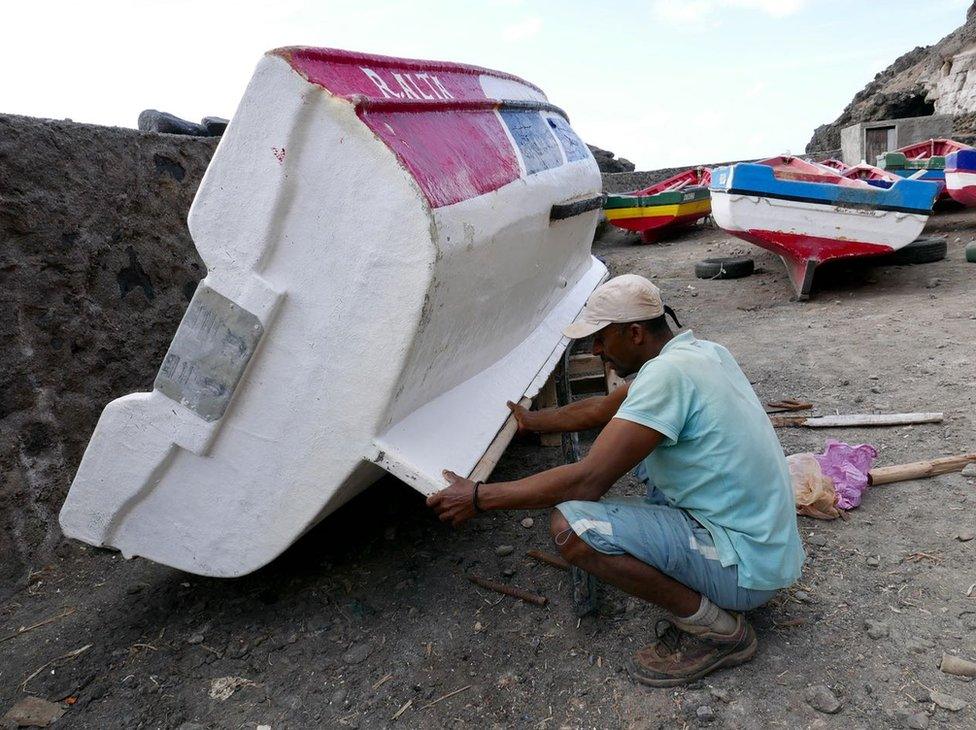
(665, 537)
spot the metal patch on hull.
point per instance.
(208, 355)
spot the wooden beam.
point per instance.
(920, 469)
(483, 469)
(857, 419)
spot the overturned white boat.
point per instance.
(393, 247)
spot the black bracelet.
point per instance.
(474, 498)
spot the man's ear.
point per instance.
(636, 333)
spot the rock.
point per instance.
(214, 126)
(339, 696)
(191, 726)
(966, 536)
(817, 540)
(32, 712)
(195, 639)
(969, 470)
(478, 627)
(357, 654)
(802, 597)
(153, 120)
(876, 629)
(504, 550)
(822, 699)
(720, 694)
(918, 721)
(873, 561)
(222, 688)
(948, 702)
(705, 714)
(508, 572)
(919, 645)
(528, 522)
(933, 282)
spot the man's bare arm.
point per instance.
(588, 413)
(617, 450)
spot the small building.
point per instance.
(867, 140)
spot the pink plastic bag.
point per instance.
(848, 467)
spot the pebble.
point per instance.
(948, 702)
(966, 536)
(873, 561)
(478, 626)
(802, 597)
(818, 540)
(357, 654)
(705, 714)
(528, 522)
(933, 282)
(918, 721)
(720, 694)
(876, 629)
(508, 572)
(195, 639)
(338, 696)
(969, 470)
(32, 712)
(919, 646)
(820, 698)
(503, 550)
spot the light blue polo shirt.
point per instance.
(720, 459)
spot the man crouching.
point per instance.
(716, 531)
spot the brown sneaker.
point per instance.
(666, 663)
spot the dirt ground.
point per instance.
(370, 622)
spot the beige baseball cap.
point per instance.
(626, 298)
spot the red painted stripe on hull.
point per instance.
(966, 195)
(800, 247)
(656, 223)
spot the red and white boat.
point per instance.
(808, 214)
(960, 176)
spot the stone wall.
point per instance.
(96, 269)
(622, 182)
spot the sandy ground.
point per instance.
(369, 621)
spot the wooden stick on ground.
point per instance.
(482, 470)
(920, 469)
(553, 560)
(508, 590)
(857, 419)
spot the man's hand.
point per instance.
(523, 417)
(454, 503)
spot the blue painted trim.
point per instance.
(904, 196)
(961, 160)
(535, 141)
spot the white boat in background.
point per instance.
(809, 214)
(393, 248)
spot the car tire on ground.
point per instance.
(729, 267)
(922, 251)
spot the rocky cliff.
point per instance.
(927, 80)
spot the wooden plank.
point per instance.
(857, 419)
(920, 469)
(483, 469)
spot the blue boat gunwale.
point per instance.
(904, 196)
(961, 161)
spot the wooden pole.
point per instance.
(508, 590)
(919, 469)
(553, 560)
(857, 419)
